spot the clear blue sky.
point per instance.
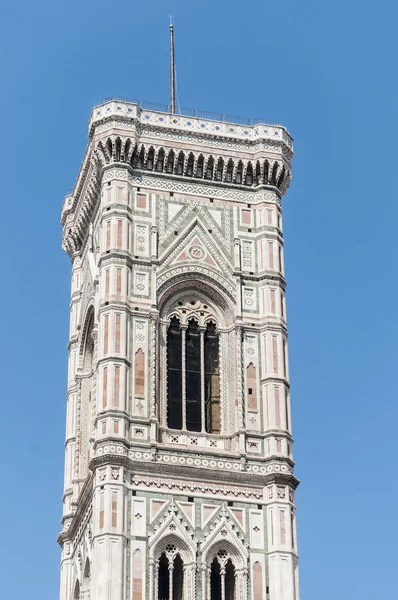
(328, 71)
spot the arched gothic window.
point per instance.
(190, 165)
(87, 359)
(199, 168)
(239, 171)
(170, 162)
(160, 161)
(170, 575)
(193, 376)
(222, 579)
(76, 593)
(150, 159)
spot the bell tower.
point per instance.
(179, 480)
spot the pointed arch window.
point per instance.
(160, 161)
(249, 175)
(219, 170)
(258, 174)
(199, 168)
(170, 162)
(170, 575)
(209, 168)
(118, 149)
(190, 164)
(180, 164)
(150, 159)
(222, 580)
(230, 169)
(193, 376)
(239, 171)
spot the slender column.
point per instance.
(208, 588)
(171, 569)
(202, 379)
(222, 573)
(184, 377)
(152, 578)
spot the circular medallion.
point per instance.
(196, 252)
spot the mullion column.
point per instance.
(222, 574)
(184, 376)
(171, 570)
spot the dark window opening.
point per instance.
(230, 168)
(150, 159)
(239, 171)
(178, 578)
(189, 172)
(118, 149)
(160, 162)
(192, 351)
(199, 168)
(219, 170)
(174, 375)
(163, 578)
(180, 164)
(209, 168)
(212, 380)
(215, 580)
(258, 174)
(170, 162)
(229, 581)
(249, 175)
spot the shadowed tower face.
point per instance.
(179, 479)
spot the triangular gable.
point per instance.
(223, 528)
(174, 522)
(205, 250)
(196, 251)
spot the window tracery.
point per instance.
(170, 574)
(193, 368)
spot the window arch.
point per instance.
(222, 577)
(150, 159)
(193, 369)
(239, 172)
(160, 161)
(87, 365)
(180, 163)
(170, 162)
(219, 170)
(209, 168)
(230, 170)
(170, 574)
(86, 580)
(249, 175)
(200, 165)
(76, 593)
(190, 165)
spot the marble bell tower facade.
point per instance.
(179, 480)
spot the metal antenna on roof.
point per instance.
(172, 71)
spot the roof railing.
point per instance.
(192, 112)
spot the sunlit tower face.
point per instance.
(179, 480)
